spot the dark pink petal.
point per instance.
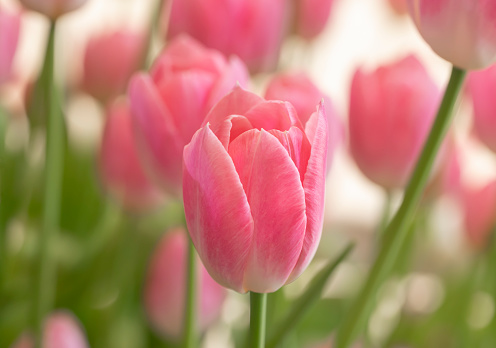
(273, 114)
(277, 201)
(216, 208)
(230, 128)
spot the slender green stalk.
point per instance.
(45, 291)
(3, 223)
(397, 229)
(190, 332)
(306, 300)
(258, 309)
(161, 15)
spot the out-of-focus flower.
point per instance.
(165, 289)
(303, 94)
(482, 88)
(9, 35)
(391, 112)
(311, 17)
(170, 104)
(253, 190)
(109, 62)
(461, 31)
(399, 6)
(250, 29)
(62, 330)
(120, 168)
(53, 8)
(479, 206)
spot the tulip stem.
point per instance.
(397, 230)
(190, 336)
(258, 309)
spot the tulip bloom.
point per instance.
(253, 190)
(109, 62)
(170, 104)
(250, 29)
(299, 90)
(461, 31)
(311, 17)
(165, 289)
(120, 168)
(482, 88)
(391, 112)
(9, 35)
(53, 8)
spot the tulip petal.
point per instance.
(230, 128)
(277, 201)
(157, 136)
(314, 186)
(216, 208)
(273, 114)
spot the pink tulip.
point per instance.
(120, 168)
(169, 105)
(311, 16)
(62, 330)
(480, 213)
(165, 289)
(53, 8)
(299, 90)
(460, 31)
(109, 62)
(250, 29)
(9, 35)
(253, 189)
(482, 88)
(391, 112)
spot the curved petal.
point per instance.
(230, 128)
(277, 201)
(314, 186)
(216, 208)
(273, 114)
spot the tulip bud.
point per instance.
(253, 190)
(165, 289)
(299, 90)
(391, 112)
(120, 168)
(311, 17)
(53, 8)
(9, 35)
(461, 31)
(109, 62)
(482, 88)
(169, 105)
(250, 29)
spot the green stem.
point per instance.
(258, 309)
(397, 229)
(45, 291)
(3, 223)
(190, 333)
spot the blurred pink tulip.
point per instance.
(250, 29)
(461, 31)
(391, 112)
(165, 289)
(479, 206)
(299, 90)
(120, 168)
(253, 190)
(9, 36)
(109, 62)
(399, 6)
(170, 104)
(53, 8)
(482, 88)
(311, 16)
(62, 330)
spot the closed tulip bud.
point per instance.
(170, 104)
(251, 29)
(303, 94)
(165, 288)
(9, 35)
(391, 112)
(53, 8)
(482, 88)
(109, 62)
(253, 190)
(479, 207)
(311, 17)
(461, 31)
(120, 168)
